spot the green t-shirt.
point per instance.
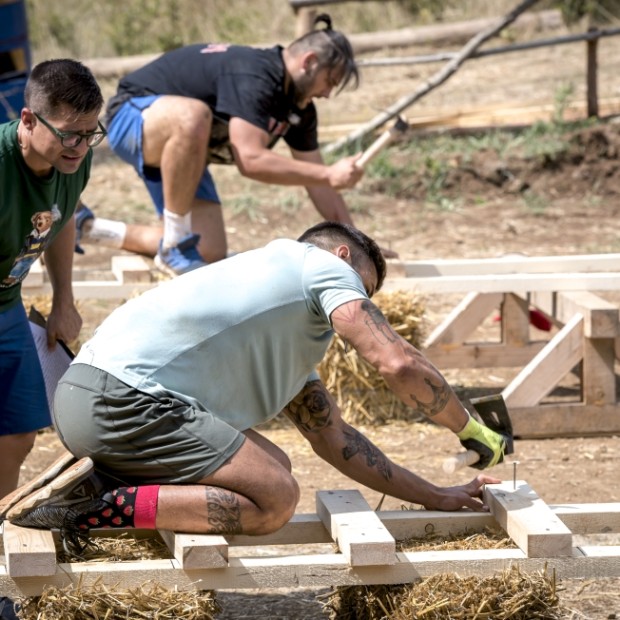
(32, 211)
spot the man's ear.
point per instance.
(343, 251)
(27, 118)
(309, 63)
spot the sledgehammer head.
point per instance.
(494, 414)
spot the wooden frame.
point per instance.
(366, 539)
(559, 287)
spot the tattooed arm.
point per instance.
(408, 373)
(318, 418)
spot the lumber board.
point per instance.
(529, 522)
(317, 571)
(515, 320)
(196, 550)
(358, 531)
(132, 268)
(600, 316)
(548, 367)
(483, 355)
(464, 319)
(510, 264)
(576, 419)
(520, 283)
(29, 552)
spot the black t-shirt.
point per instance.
(235, 81)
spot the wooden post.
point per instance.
(305, 21)
(591, 74)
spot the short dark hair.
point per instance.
(328, 235)
(332, 48)
(53, 84)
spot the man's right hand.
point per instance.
(487, 443)
(344, 174)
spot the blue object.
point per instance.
(182, 258)
(15, 58)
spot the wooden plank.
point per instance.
(515, 320)
(585, 519)
(598, 374)
(196, 550)
(529, 522)
(512, 264)
(104, 289)
(464, 319)
(360, 535)
(600, 316)
(316, 571)
(564, 420)
(547, 368)
(131, 268)
(520, 283)
(29, 552)
(483, 355)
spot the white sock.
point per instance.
(108, 233)
(175, 228)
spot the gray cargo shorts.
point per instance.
(137, 437)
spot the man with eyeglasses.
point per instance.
(45, 161)
(226, 104)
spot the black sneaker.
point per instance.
(54, 470)
(59, 504)
(8, 609)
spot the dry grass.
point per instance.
(361, 392)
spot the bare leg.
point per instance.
(178, 148)
(208, 222)
(14, 450)
(252, 493)
(142, 239)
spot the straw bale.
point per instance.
(509, 594)
(149, 601)
(362, 394)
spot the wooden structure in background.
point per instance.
(563, 288)
(543, 536)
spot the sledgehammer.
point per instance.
(388, 136)
(494, 414)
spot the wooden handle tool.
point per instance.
(458, 461)
(388, 136)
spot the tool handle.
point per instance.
(375, 148)
(458, 461)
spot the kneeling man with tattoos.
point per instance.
(158, 409)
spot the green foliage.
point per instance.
(598, 12)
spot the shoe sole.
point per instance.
(163, 268)
(45, 477)
(68, 478)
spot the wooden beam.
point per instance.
(529, 522)
(29, 552)
(547, 368)
(515, 320)
(464, 319)
(564, 420)
(197, 551)
(521, 283)
(512, 263)
(360, 535)
(483, 355)
(600, 316)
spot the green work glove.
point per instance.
(487, 443)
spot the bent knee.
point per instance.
(279, 510)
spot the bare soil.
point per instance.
(491, 206)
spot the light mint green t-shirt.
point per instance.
(238, 338)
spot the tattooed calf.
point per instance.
(224, 514)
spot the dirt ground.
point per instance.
(573, 208)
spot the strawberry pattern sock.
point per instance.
(125, 507)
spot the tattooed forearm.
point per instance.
(441, 395)
(224, 512)
(358, 444)
(310, 409)
(380, 328)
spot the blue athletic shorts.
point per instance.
(125, 139)
(23, 401)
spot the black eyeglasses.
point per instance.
(70, 139)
